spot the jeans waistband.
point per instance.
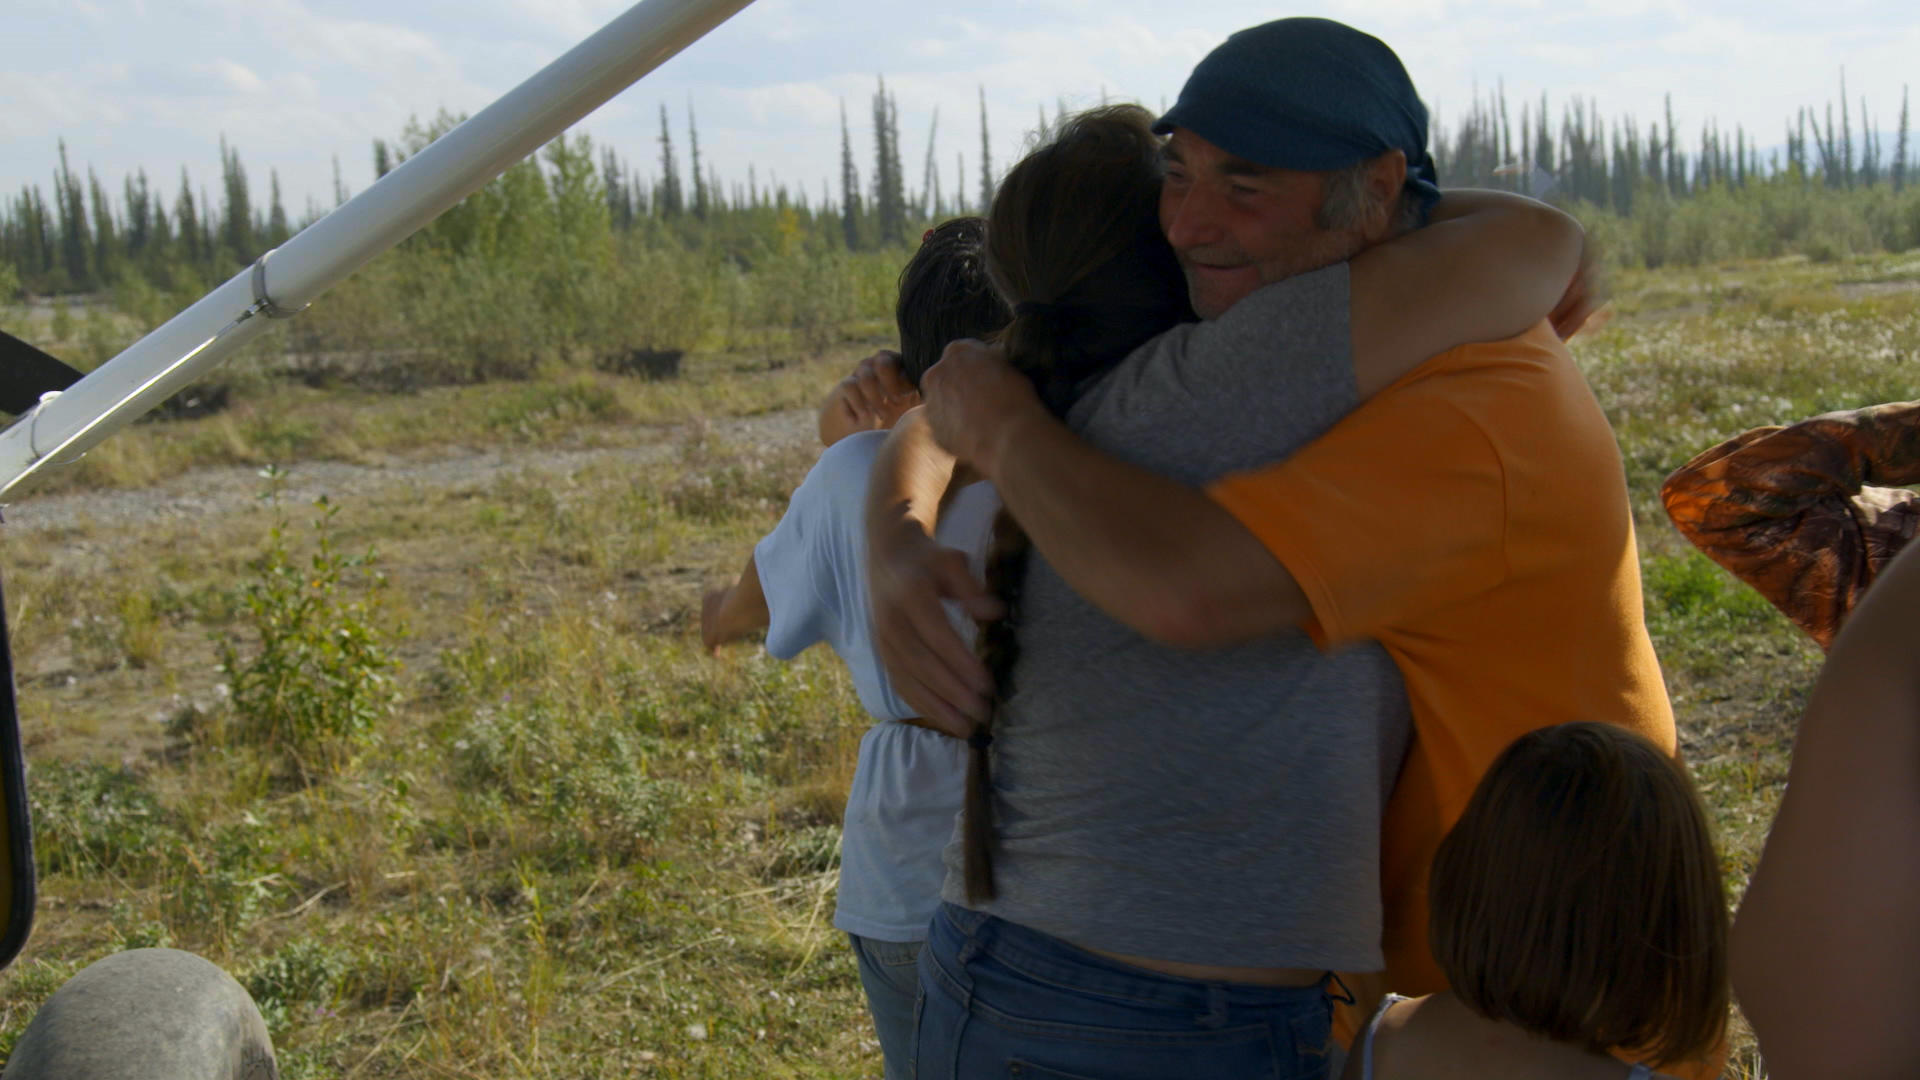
(1049, 959)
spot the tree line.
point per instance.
(83, 238)
(1579, 156)
(86, 237)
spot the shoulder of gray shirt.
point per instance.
(1274, 372)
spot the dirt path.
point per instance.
(219, 490)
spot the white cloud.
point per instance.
(235, 76)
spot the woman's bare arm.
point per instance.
(1486, 267)
(1823, 949)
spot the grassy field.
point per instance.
(570, 844)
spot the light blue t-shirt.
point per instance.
(909, 781)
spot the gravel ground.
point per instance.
(202, 493)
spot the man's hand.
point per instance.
(1585, 295)
(932, 669)
(870, 399)
(973, 397)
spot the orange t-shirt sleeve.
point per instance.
(1397, 511)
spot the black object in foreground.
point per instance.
(16, 828)
(26, 373)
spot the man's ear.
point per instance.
(1386, 176)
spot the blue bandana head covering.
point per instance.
(1308, 94)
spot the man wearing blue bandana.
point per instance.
(1424, 547)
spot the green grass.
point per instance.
(581, 847)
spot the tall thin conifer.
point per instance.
(849, 186)
(986, 157)
(1900, 145)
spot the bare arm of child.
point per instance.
(736, 611)
(1488, 266)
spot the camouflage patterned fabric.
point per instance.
(1809, 514)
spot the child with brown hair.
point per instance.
(1579, 916)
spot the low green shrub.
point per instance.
(322, 674)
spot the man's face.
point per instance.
(1237, 226)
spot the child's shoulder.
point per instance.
(855, 453)
(841, 472)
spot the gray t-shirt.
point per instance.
(1209, 807)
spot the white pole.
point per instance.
(157, 366)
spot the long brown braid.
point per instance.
(1074, 244)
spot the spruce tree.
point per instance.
(702, 197)
(888, 213)
(40, 232)
(139, 214)
(1676, 162)
(1869, 149)
(986, 157)
(849, 187)
(1829, 152)
(160, 233)
(667, 196)
(619, 194)
(1543, 138)
(928, 202)
(1506, 153)
(209, 238)
(1846, 134)
(1900, 146)
(277, 228)
(236, 224)
(105, 234)
(187, 223)
(75, 242)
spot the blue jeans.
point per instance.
(1002, 1000)
(889, 973)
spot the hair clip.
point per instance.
(926, 236)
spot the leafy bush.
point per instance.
(323, 674)
(300, 973)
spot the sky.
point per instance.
(293, 84)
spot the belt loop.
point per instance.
(974, 945)
(1216, 1014)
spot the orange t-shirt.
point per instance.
(1473, 519)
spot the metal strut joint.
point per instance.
(263, 302)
